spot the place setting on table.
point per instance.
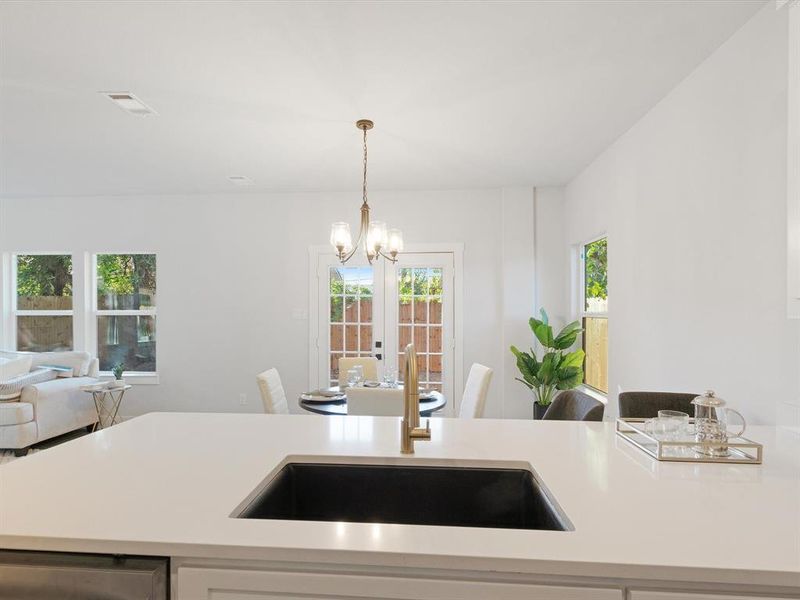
(334, 400)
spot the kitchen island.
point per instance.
(166, 484)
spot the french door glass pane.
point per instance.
(350, 325)
(44, 334)
(420, 322)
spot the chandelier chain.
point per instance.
(364, 183)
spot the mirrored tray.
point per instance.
(741, 450)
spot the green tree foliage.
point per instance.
(126, 275)
(44, 275)
(597, 269)
(419, 282)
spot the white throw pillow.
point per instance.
(14, 367)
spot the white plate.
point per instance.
(322, 399)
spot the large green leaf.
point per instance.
(548, 370)
(528, 366)
(542, 331)
(569, 378)
(567, 336)
(573, 359)
(570, 371)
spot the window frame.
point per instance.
(14, 313)
(581, 305)
(93, 313)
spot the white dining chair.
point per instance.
(475, 391)
(376, 402)
(272, 394)
(368, 363)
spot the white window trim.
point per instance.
(10, 266)
(579, 310)
(92, 313)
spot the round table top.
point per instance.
(104, 387)
(339, 407)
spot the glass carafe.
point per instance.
(711, 425)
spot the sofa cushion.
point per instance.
(15, 413)
(14, 367)
(13, 387)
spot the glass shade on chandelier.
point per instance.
(341, 239)
(373, 236)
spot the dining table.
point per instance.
(429, 402)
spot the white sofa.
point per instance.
(50, 408)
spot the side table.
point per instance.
(107, 401)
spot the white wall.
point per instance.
(519, 295)
(693, 199)
(552, 268)
(231, 269)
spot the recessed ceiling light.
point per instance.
(240, 180)
(130, 103)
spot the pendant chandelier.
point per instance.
(373, 237)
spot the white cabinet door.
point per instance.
(238, 584)
(646, 595)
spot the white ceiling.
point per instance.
(480, 94)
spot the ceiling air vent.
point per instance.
(130, 103)
(240, 180)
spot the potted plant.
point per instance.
(118, 369)
(557, 370)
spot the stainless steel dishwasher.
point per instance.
(65, 576)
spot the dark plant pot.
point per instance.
(538, 411)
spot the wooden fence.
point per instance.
(595, 344)
(43, 333)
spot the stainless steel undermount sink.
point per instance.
(500, 495)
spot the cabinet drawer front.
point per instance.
(239, 584)
(646, 595)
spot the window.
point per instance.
(351, 300)
(125, 308)
(43, 302)
(594, 257)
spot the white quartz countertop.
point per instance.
(166, 483)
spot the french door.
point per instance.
(376, 310)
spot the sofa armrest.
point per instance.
(94, 368)
(60, 405)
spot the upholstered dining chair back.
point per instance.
(573, 405)
(272, 394)
(376, 402)
(645, 405)
(368, 363)
(475, 391)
